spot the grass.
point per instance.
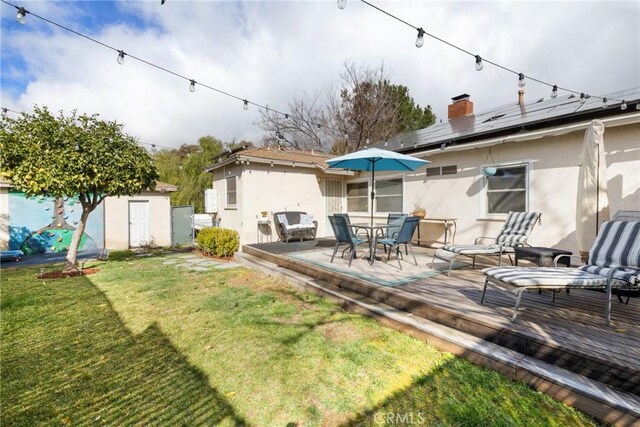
(142, 343)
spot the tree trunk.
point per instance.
(71, 264)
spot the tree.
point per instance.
(68, 156)
(184, 167)
(364, 107)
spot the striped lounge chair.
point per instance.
(515, 232)
(613, 265)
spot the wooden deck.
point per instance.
(569, 333)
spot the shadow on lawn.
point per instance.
(454, 394)
(68, 359)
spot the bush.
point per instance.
(218, 241)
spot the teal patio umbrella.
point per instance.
(375, 159)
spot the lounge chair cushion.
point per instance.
(631, 275)
(617, 244)
(541, 277)
(517, 228)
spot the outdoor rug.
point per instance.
(382, 272)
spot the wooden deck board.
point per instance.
(569, 332)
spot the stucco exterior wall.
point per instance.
(268, 188)
(4, 218)
(116, 213)
(552, 187)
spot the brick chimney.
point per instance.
(460, 107)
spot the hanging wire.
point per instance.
(245, 101)
(495, 64)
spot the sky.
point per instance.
(270, 52)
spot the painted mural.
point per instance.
(39, 225)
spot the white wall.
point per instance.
(116, 219)
(269, 188)
(553, 185)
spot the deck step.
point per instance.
(588, 395)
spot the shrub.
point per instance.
(218, 241)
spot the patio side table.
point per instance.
(263, 231)
(542, 256)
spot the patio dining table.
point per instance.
(371, 233)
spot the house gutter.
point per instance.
(562, 130)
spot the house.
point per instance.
(250, 181)
(533, 146)
(45, 225)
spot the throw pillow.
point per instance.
(282, 218)
(306, 220)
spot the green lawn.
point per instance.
(142, 343)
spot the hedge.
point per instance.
(218, 241)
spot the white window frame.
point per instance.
(390, 178)
(226, 192)
(528, 164)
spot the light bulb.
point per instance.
(246, 105)
(21, 16)
(623, 106)
(342, 4)
(638, 106)
(121, 55)
(521, 81)
(605, 102)
(479, 65)
(554, 91)
(192, 86)
(420, 39)
(583, 98)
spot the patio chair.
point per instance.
(614, 264)
(344, 236)
(515, 232)
(394, 221)
(402, 237)
(357, 231)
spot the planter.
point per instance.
(419, 214)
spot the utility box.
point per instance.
(211, 200)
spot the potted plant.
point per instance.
(419, 211)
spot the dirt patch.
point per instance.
(62, 275)
(338, 332)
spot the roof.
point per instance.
(164, 187)
(513, 118)
(268, 155)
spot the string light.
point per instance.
(21, 16)
(192, 86)
(638, 106)
(479, 65)
(419, 42)
(420, 38)
(121, 55)
(245, 106)
(4, 112)
(605, 102)
(623, 105)
(554, 91)
(342, 4)
(583, 98)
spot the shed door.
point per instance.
(333, 193)
(138, 224)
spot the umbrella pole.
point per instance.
(373, 194)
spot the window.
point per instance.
(389, 195)
(507, 189)
(357, 198)
(444, 170)
(450, 170)
(435, 171)
(232, 192)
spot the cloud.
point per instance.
(271, 51)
